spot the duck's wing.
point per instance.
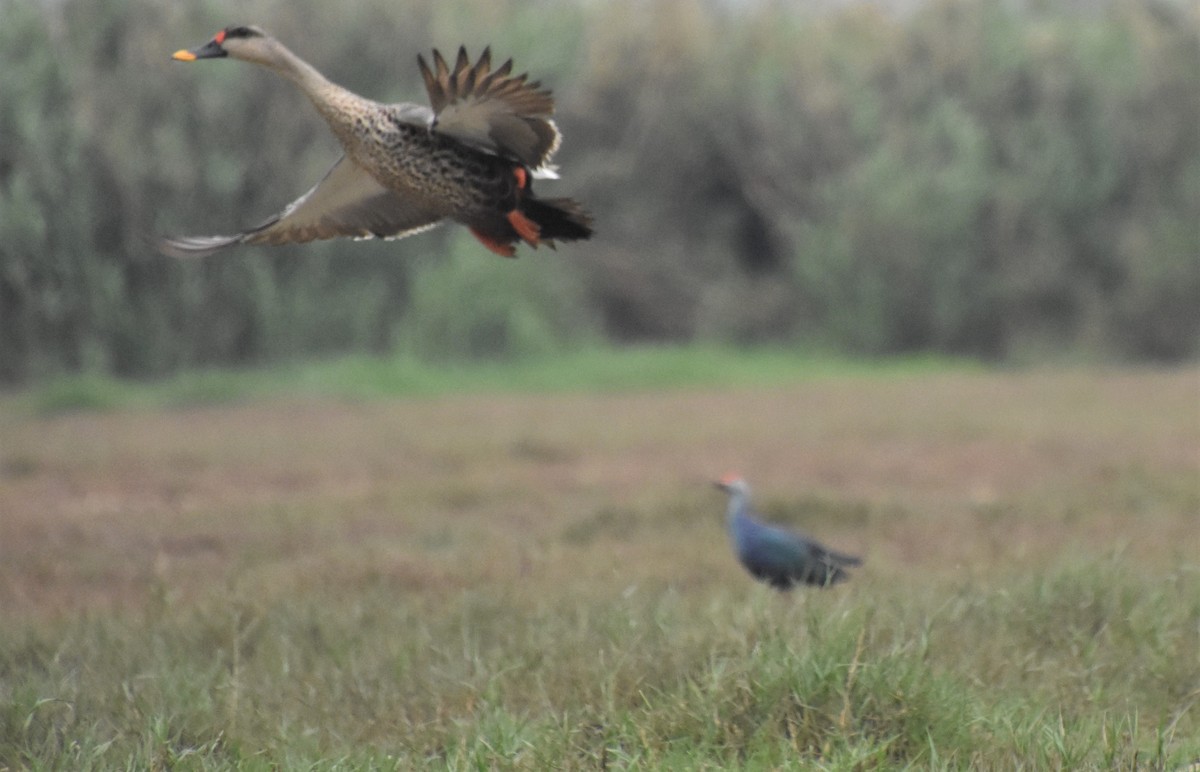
(491, 109)
(408, 112)
(346, 202)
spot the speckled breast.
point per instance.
(446, 175)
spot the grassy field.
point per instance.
(480, 578)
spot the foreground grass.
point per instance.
(1088, 665)
(530, 582)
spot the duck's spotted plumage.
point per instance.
(407, 167)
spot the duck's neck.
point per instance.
(337, 105)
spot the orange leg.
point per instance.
(504, 250)
(527, 229)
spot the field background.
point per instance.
(925, 271)
(492, 579)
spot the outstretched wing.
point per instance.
(346, 202)
(492, 109)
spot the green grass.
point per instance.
(597, 369)
(510, 581)
(1087, 666)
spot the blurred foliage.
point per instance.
(998, 180)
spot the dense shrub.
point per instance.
(964, 177)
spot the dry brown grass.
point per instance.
(946, 475)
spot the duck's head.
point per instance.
(250, 44)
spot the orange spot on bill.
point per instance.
(219, 37)
(184, 55)
(522, 177)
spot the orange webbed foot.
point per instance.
(504, 250)
(527, 229)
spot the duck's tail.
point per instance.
(537, 222)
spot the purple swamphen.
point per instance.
(780, 558)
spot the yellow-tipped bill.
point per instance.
(184, 55)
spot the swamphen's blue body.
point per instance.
(780, 558)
